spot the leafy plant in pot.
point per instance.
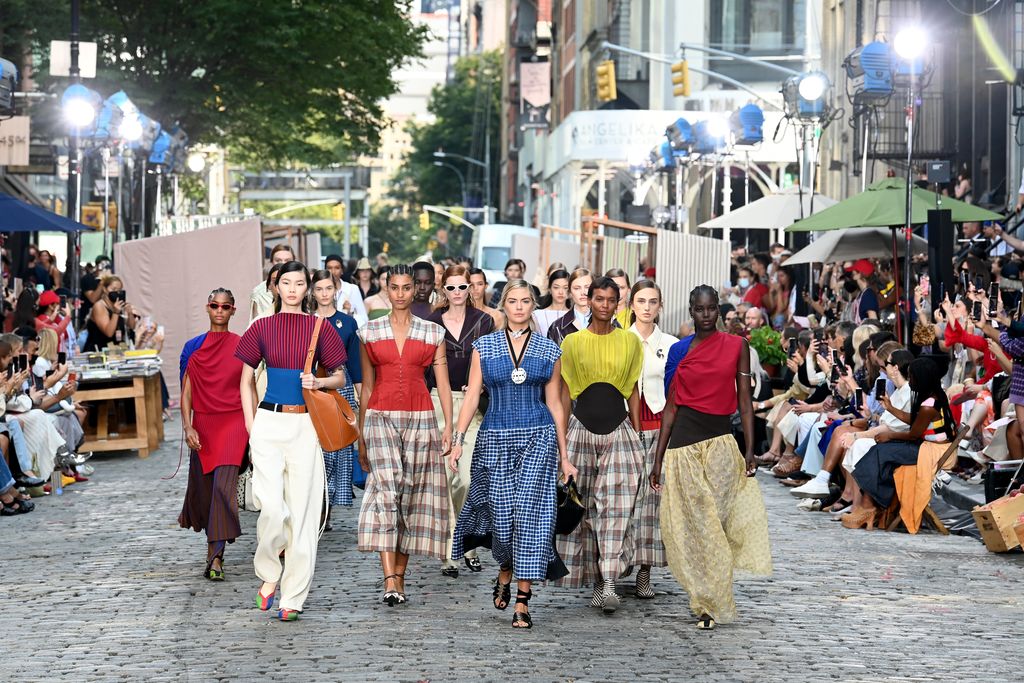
(768, 344)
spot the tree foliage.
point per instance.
(274, 80)
(465, 111)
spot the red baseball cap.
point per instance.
(862, 266)
(48, 298)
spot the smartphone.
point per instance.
(10, 371)
(72, 376)
(792, 346)
(835, 374)
(926, 283)
(993, 299)
(63, 301)
(37, 382)
(976, 310)
(62, 358)
(835, 357)
(34, 359)
(963, 281)
(879, 388)
(22, 362)
(819, 334)
(40, 289)
(979, 284)
(858, 397)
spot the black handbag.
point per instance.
(570, 508)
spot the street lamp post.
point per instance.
(74, 166)
(462, 180)
(485, 164)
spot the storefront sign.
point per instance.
(14, 141)
(535, 94)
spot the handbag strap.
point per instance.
(308, 368)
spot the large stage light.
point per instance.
(747, 124)
(870, 71)
(806, 95)
(80, 106)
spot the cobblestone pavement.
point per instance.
(105, 586)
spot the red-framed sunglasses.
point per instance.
(224, 307)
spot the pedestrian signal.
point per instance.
(424, 221)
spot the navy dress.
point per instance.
(511, 503)
(339, 464)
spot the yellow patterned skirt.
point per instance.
(713, 521)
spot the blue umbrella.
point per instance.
(19, 216)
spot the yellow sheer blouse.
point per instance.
(614, 358)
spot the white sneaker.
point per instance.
(815, 488)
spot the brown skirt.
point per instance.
(211, 502)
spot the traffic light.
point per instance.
(606, 90)
(681, 79)
(424, 221)
(338, 212)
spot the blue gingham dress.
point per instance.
(511, 503)
(338, 464)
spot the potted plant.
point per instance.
(768, 344)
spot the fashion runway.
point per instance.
(102, 585)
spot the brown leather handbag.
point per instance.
(332, 416)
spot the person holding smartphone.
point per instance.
(50, 314)
(108, 319)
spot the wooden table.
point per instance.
(104, 394)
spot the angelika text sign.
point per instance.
(615, 135)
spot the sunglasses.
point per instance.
(224, 307)
(452, 288)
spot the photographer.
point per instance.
(107, 323)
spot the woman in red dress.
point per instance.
(214, 426)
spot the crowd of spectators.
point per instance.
(843, 402)
(44, 328)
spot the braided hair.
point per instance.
(703, 290)
(402, 269)
(225, 292)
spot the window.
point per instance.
(757, 28)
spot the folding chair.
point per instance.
(893, 513)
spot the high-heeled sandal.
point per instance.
(769, 457)
(644, 591)
(215, 574)
(856, 520)
(390, 597)
(401, 594)
(502, 591)
(520, 618)
(473, 563)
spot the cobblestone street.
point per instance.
(103, 585)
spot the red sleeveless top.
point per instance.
(705, 380)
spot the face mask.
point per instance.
(744, 282)
(850, 286)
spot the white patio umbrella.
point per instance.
(774, 212)
(850, 244)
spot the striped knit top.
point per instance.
(282, 340)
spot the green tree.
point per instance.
(467, 114)
(274, 80)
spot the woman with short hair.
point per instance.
(712, 517)
(214, 427)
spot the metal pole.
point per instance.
(158, 204)
(909, 228)
(366, 227)
(120, 196)
(142, 204)
(74, 164)
(106, 198)
(487, 172)
(679, 197)
(346, 244)
(864, 158)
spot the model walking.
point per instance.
(463, 324)
(521, 443)
(338, 464)
(712, 515)
(578, 317)
(287, 464)
(405, 506)
(214, 426)
(600, 368)
(645, 303)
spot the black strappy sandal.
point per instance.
(520, 618)
(401, 594)
(215, 574)
(502, 591)
(390, 597)
(474, 564)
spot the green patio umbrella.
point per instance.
(884, 204)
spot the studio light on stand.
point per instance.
(747, 126)
(675, 152)
(910, 45)
(8, 81)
